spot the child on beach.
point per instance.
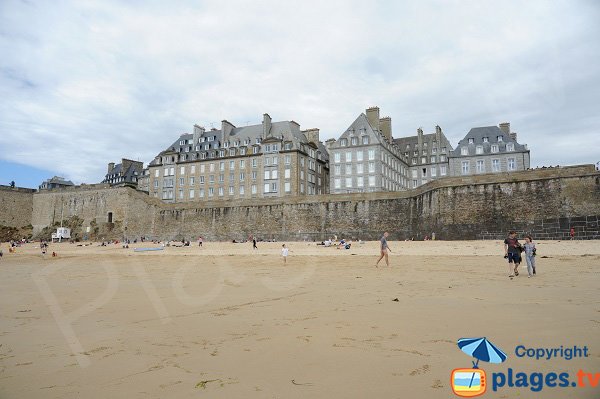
(530, 255)
(284, 253)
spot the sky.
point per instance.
(90, 82)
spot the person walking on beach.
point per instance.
(384, 249)
(530, 255)
(254, 243)
(284, 253)
(512, 252)
(572, 233)
(200, 241)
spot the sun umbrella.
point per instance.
(481, 349)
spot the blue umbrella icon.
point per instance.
(481, 349)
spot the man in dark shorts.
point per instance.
(384, 250)
(512, 252)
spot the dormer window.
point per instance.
(354, 141)
(258, 140)
(499, 139)
(486, 139)
(444, 150)
(365, 139)
(471, 140)
(181, 142)
(226, 144)
(416, 153)
(464, 151)
(494, 148)
(510, 147)
(479, 149)
(343, 142)
(287, 146)
(434, 150)
(232, 152)
(424, 145)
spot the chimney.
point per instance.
(111, 166)
(312, 135)
(438, 136)
(226, 128)
(198, 131)
(513, 135)
(329, 143)
(266, 125)
(505, 127)
(386, 127)
(125, 164)
(420, 138)
(373, 117)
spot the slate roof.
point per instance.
(492, 133)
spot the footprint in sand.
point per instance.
(421, 370)
(437, 384)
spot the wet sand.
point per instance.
(224, 321)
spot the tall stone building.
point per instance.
(426, 154)
(489, 149)
(272, 159)
(365, 157)
(125, 173)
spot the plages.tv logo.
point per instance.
(469, 382)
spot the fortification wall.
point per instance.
(16, 206)
(545, 202)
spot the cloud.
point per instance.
(86, 83)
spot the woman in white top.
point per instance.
(284, 253)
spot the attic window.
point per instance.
(499, 138)
(486, 139)
(471, 141)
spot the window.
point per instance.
(302, 188)
(359, 168)
(267, 175)
(287, 173)
(253, 189)
(495, 165)
(480, 166)
(486, 139)
(348, 156)
(371, 155)
(511, 165)
(243, 151)
(442, 170)
(192, 193)
(274, 174)
(157, 172)
(181, 181)
(201, 194)
(337, 157)
(433, 171)
(273, 187)
(221, 165)
(348, 182)
(414, 173)
(432, 159)
(254, 175)
(155, 183)
(499, 139)
(242, 190)
(242, 176)
(192, 181)
(510, 147)
(354, 141)
(231, 177)
(221, 193)
(254, 163)
(231, 151)
(464, 151)
(211, 192)
(202, 169)
(442, 158)
(211, 167)
(211, 178)
(266, 188)
(337, 182)
(343, 142)
(221, 178)
(371, 167)
(230, 190)
(494, 148)
(371, 181)
(471, 140)
(287, 186)
(479, 149)
(360, 181)
(423, 159)
(180, 193)
(424, 172)
(365, 139)
(288, 159)
(201, 179)
(465, 167)
(255, 150)
(267, 161)
(231, 165)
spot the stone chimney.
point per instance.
(226, 128)
(266, 125)
(373, 117)
(125, 164)
(505, 127)
(420, 138)
(329, 143)
(312, 135)
(513, 135)
(385, 124)
(111, 166)
(438, 136)
(198, 131)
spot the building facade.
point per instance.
(272, 159)
(365, 157)
(426, 155)
(125, 173)
(55, 182)
(489, 149)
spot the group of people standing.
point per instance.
(513, 250)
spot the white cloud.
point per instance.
(86, 83)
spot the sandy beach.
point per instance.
(224, 321)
